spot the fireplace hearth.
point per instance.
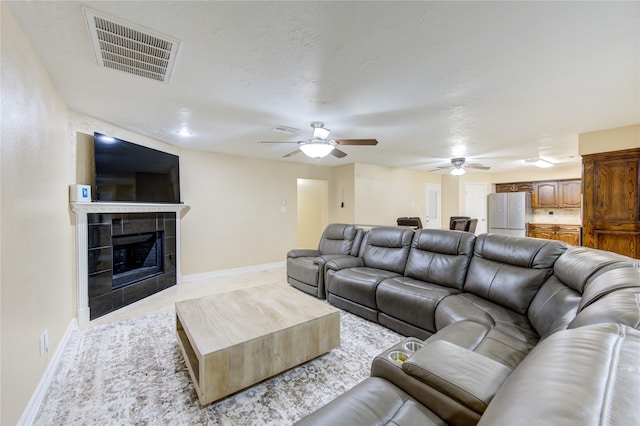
(130, 256)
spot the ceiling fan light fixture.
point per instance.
(320, 133)
(458, 171)
(316, 149)
(539, 162)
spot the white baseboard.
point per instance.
(234, 271)
(29, 415)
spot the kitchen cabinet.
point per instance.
(611, 210)
(514, 187)
(556, 194)
(569, 234)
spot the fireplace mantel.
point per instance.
(115, 207)
(82, 210)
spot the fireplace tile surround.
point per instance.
(122, 212)
(102, 228)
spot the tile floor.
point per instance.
(165, 300)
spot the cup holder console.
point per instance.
(412, 346)
(398, 356)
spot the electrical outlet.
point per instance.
(44, 342)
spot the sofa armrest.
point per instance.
(303, 253)
(462, 375)
(344, 262)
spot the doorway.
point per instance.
(432, 206)
(475, 204)
(313, 211)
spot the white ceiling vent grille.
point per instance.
(124, 47)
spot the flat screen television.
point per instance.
(127, 172)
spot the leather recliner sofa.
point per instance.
(477, 309)
(305, 267)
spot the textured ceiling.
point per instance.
(496, 82)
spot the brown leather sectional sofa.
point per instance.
(502, 330)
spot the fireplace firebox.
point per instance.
(136, 257)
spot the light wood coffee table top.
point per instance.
(236, 339)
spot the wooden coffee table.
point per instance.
(236, 339)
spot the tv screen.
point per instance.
(128, 172)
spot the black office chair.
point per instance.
(454, 218)
(471, 225)
(413, 222)
(459, 224)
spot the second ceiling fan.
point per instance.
(320, 145)
(458, 166)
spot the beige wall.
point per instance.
(235, 218)
(36, 235)
(617, 139)
(313, 211)
(342, 194)
(530, 173)
(382, 194)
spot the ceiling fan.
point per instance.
(320, 145)
(458, 166)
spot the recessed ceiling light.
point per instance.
(539, 162)
(184, 132)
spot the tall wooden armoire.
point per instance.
(611, 201)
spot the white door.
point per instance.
(432, 206)
(475, 203)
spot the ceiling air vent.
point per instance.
(124, 47)
(281, 128)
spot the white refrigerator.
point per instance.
(509, 213)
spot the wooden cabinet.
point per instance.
(541, 231)
(569, 192)
(611, 206)
(570, 234)
(556, 194)
(514, 187)
(545, 195)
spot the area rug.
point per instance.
(132, 373)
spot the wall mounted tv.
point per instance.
(127, 172)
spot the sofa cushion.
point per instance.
(510, 270)
(440, 257)
(462, 375)
(358, 284)
(411, 301)
(554, 307)
(612, 297)
(586, 376)
(374, 401)
(581, 264)
(498, 344)
(388, 248)
(561, 297)
(339, 238)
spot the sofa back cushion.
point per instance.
(561, 296)
(440, 257)
(339, 238)
(388, 248)
(612, 297)
(509, 270)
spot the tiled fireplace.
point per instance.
(124, 252)
(130, 256)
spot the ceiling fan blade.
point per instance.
(291, 154)
(476, 166)
(279, 142)
(338, 154)
(356, 141)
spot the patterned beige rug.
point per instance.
(132, 373)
